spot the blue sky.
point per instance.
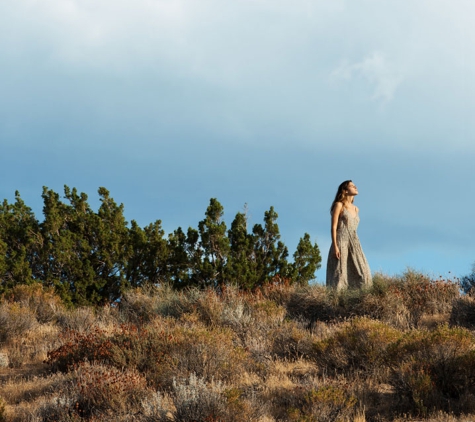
(168, 103)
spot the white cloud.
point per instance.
(375, 69)
(251, 68)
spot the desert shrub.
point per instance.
(237, 313)
(268, 313)
(143, 304)
(421, 295)
(95, 392)
(433, 370)
(78, 319)
(279, 291)
(104, 389)
(324, 404)
(312, 303)
(463, 312)
(170, 349)
(43, 302)
(358, 345)
(4, 361)
(243, 404)
(209, 307)
(19, 353)
(55, 411)
(160, 351)
(379, 302)
(320, 304)
(77, 347)
(3, 416)
(195, 400)
(15, 320)
(209, 353)
(399, 301)
(290, 341)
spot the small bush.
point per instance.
(358, 345)
(103, 389)
(209, 353)
(312, 304)
(161, 351)
(143, 304)
(3, 416)
(399, 301)
(324, 404)
(195, 400)
(290, 341)
(421, 295)
(463, 312)
(18, 353)
(433, 370)
(78, 319)
(15, 320)
(40, 300)
(78, 347)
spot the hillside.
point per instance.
(402, 351)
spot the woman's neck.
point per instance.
(348, 203)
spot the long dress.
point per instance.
(352, 269)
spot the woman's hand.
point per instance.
(337, 252)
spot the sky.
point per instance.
(169, 103)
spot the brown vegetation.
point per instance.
(403, 350)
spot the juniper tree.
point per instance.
(307, 260)
(270, 254)
(148, 261)
(92, 257)
(84, 253)
(213, 247)
(241, 268)
(179, 256)
(20, 243)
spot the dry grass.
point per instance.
(283, 353)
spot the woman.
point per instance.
(346, 266)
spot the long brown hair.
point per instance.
(340, 194)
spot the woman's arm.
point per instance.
(335, 215)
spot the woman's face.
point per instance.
(351, 189)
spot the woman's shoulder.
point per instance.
(337, 207)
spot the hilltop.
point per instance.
(402, 350)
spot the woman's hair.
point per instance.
(340, 195)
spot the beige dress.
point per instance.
(352, 269)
